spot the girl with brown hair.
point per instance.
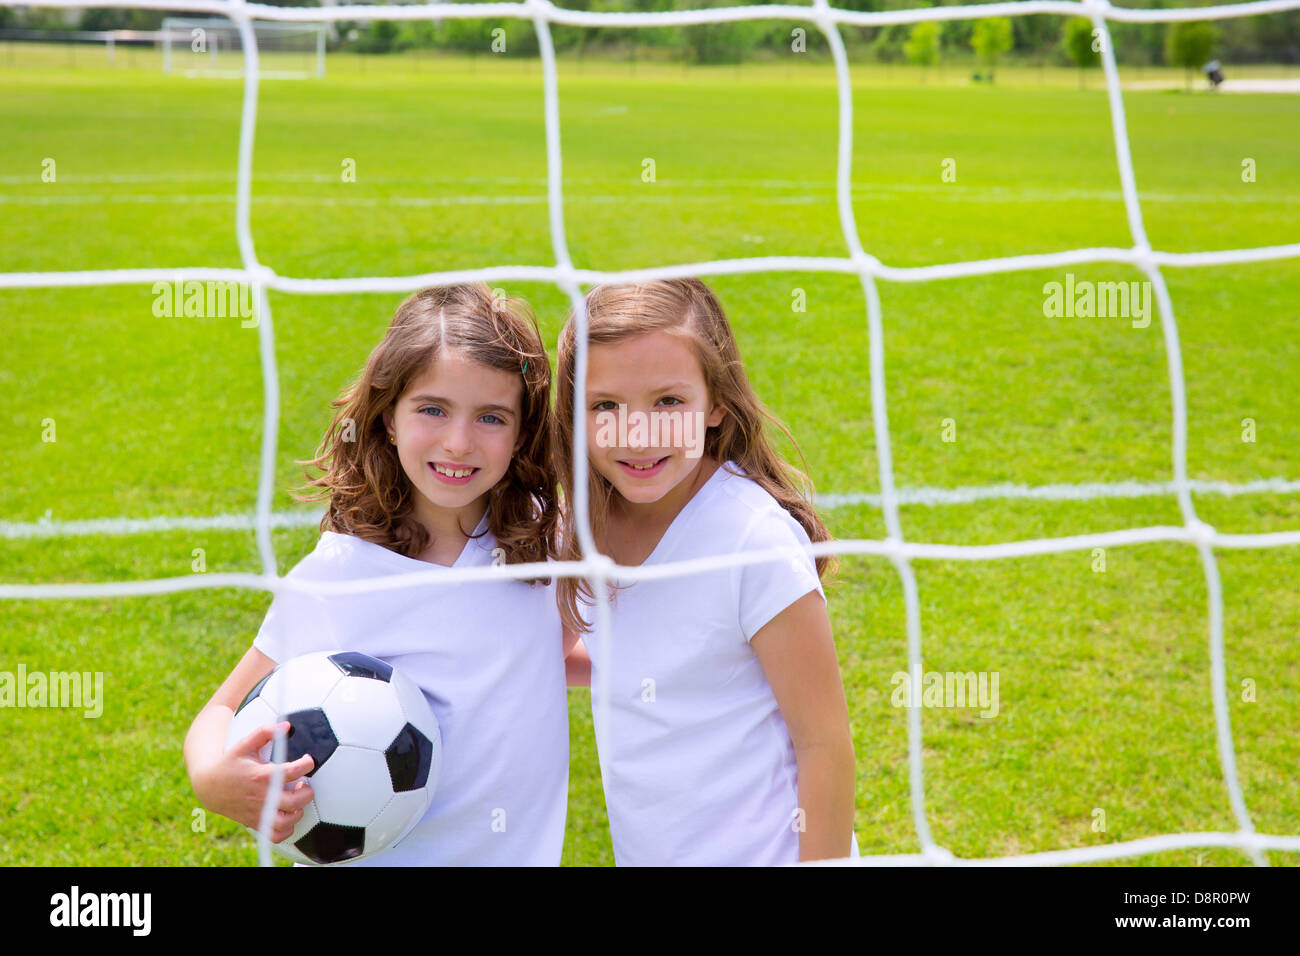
(725, 737)
(439, 455)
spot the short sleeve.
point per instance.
(768, 588)
(296, 623)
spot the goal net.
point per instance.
(213, 46)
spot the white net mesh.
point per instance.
(598, 567)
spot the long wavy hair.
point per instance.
(369, 493)
(687, 308)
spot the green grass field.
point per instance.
(1104, 676)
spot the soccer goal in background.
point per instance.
(211, 46)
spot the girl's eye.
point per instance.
(600, 406)
(431, 408)
(669, 398)
(495, 419)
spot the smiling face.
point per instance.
(658, 378)
(457, 428)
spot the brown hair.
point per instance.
(370, 495)
(688, 308)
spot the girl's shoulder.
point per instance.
(736, 508)
(338, 555)
(741, 495)
(731, 482)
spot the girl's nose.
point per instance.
(638, 437)
(459, 438)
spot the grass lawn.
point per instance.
(1104, 676)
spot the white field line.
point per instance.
(930, 497)
(1091, 854)
(1291, 86)
(709, 187)
(1080, 492)
(663, 194)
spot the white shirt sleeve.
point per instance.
(766, 589)
(295, 624)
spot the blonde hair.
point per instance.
(370, 495)
(687, 308)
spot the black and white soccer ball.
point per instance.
(376, 746)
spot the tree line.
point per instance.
(1038, 39)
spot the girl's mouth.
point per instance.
(644, 472)
(453, 476)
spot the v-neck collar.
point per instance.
(401, 562)
(666, 538)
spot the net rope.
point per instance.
(598, 567)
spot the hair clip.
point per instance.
(525, 366)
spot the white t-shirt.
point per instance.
(698, 765)
(489, 658)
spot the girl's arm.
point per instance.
(577, 664)
(797, 652)
(234, 783)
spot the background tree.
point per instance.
(115, 18)
(887, 44)
(721, 42)
(922, 46)
(990, 39)
(379, 37)
(1189, 45)
(1078, 44)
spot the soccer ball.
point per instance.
(376, 746)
